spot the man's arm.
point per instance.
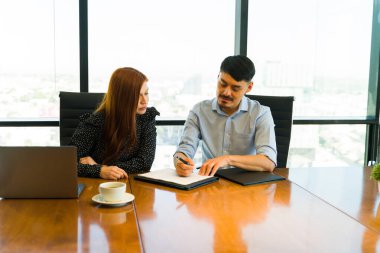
(187, 146)
(266, 153)
(248, 162)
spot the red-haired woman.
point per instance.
(120, 136)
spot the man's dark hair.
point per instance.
(240, 67)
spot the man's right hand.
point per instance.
(183, 169)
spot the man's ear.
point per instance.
(250, 85)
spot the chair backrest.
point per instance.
(73, 105)
(282, 112)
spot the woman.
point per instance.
(120, 136)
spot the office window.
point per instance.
(319, 52)
(327, 145)
(32, 136)
(168, 138)
(39, 51)
(179, 45)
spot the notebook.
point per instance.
(169, 177)
(245, 177)
(39, 172)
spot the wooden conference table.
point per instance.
(318, 210)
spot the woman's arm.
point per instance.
(84, 138)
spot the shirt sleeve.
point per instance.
(265, 135)
(84, 139)
(143, 160)
(191, 136)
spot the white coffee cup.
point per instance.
(112, 191)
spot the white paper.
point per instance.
(170, 175)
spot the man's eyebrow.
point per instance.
(223, 81)
(232, 84)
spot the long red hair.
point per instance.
(119, 106)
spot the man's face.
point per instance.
(230, 92)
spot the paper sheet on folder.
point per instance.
(170, 178)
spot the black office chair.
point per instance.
(73, 105)
(282, 112)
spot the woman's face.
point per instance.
(143, 99)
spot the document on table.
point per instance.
(169, 177)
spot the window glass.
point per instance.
(179, 45)
(29, 136)
(168, 138)
(317, 51)
(327, 146)
(39, 56)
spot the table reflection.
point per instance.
(104, 228)
(34, 225)
(349, 189)
(229, 210)
(109, 216)
(226, 217)
(214, 215)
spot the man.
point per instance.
(235, 131)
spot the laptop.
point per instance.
(39, 172)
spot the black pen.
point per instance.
(182, 160)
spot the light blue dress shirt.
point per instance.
(248, 131)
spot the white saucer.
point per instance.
(127, 198)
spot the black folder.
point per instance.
(245, 177)
(167, 182)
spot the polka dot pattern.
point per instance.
(89, 142)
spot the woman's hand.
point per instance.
(87, 160)
(112, 172)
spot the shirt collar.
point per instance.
(243, 104)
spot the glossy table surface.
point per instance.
(318, 210)
(68, 225)
(349, 189)
(226, 217)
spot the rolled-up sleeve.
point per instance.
(190, 137)
(265, 138)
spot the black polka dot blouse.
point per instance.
(89, 142)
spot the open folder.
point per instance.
(245, 177)
(169, 177)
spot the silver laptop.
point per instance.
(39, 172)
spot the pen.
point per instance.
(181, 159)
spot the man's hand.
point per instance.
(210, 167)
(112, 172)
(184, 166)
